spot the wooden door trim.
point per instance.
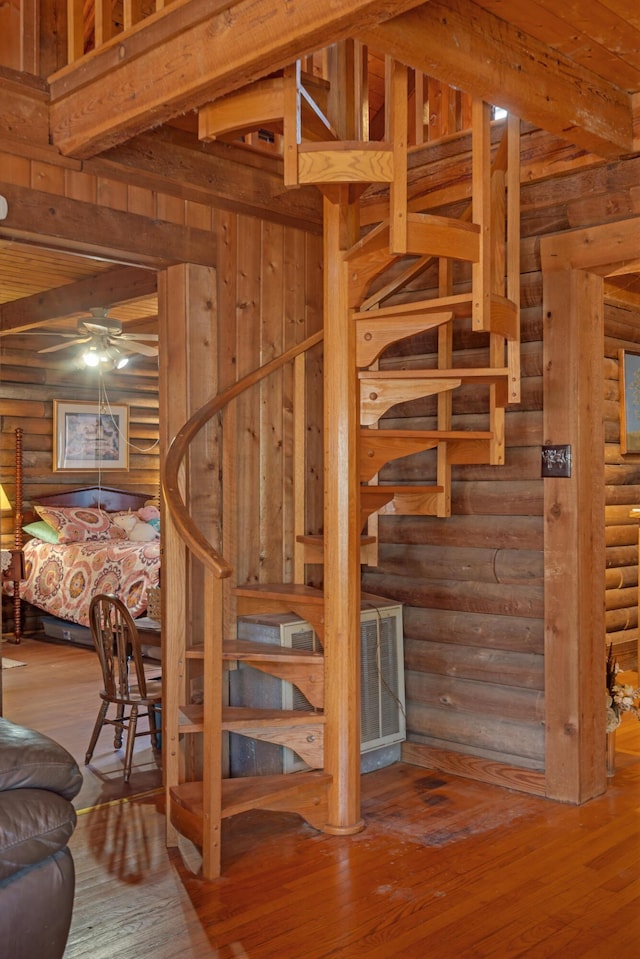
(574, 265)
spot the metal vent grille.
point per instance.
(382, 686)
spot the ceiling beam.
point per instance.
(463, 45)
(217, 174)
(103, 289)
(187, 54)
(75, 225)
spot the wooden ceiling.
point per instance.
(49, 290)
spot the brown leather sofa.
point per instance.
(38, 778)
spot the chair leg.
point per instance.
(131, 738)
(102, 712)
(117, 736)
(154, 729)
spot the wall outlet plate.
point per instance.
(556, 461)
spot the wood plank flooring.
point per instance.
(445, 868)
(56, 692)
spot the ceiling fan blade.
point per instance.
(128, 347)
(64, 346)
(39, 333)
(138, 336)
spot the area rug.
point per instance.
(10, 663)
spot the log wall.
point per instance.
(472, 584)
(29, 385)
(622, 490)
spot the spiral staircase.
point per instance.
(364, 267)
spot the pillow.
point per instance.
(78, 524)
(42, 531)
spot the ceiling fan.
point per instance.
(106, 344)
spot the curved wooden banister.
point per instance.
(196, 541)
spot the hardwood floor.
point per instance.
(56, 692)
(445, 868)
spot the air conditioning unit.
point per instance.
(383, 725)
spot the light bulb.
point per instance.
(90, 358)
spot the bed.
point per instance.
(73, 549)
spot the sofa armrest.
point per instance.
(35, 824)
(29, 759)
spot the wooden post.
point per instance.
(574, 537)
(573, 310)
(341, 531)
(187, 311)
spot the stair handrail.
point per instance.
(185, 525)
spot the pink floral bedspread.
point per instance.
(61, 579)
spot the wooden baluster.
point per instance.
(75, 30)
(104, 22)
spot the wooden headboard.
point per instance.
(102, 497)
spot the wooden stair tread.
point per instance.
(379, 447)
(317, 539)
(371, 495)
(308, 595)
(246, 650)
(240, 795)
(391, 491)
(281, 591)
(479, 374)
(234, 717)
(459, 304)
(427, 235)
(375, 435)
(237, 717)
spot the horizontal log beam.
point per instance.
(217, 174)
(187, 54)
(74, 225)
(465, 46)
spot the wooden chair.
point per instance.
(115, 637)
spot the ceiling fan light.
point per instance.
(117, 358)
(91, 357)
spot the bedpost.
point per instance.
(18, 537)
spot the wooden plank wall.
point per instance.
(269, 299)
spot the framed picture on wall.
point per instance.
(89, 436)
(629, 372)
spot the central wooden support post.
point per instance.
(341, 526)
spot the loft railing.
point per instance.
(92, 23)
(435, 110)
